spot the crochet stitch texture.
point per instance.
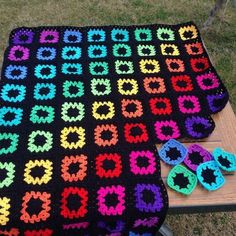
(81, 109)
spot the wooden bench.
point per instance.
(201, 200)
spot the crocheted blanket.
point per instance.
(81, 111)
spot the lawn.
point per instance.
(220, 40)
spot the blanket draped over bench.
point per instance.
(81, 109)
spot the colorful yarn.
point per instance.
(110, 130)
(122, 50)
(49, 36)
(167, 129)
(81, 109)
(70, 106)
(97, 51)
(45, 178)
(66, 212)
(142, 156)
(143, 34)
(79, 143)
(44, 91)
(196, 156)
(154, 204)
(130, 130)
(149, 66)
(173, 152)
(72, 36)
(14, 72)
(120, 35)
(165, 34)
(112, 168)
(9, 167)
(109, 110)
(146, 50)
(81, 161)
(72, 69)
(77, 86)
(117, 209)
(103, 84)
(126, 82)
(13, 93)
(44, 145)
(124, 67)
(35, 116)
(225, 160)
(182, 180)
(46, 53)
(210, 176)
(45, 71)
(23, 36)
(71, 53)
(18, 53)
(5, 207)
(43, 215)
(12, 140)
(10, 121)
(98, 68)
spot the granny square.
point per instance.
(81, 109)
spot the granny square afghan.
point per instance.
(81, 109)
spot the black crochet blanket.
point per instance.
(81, 111)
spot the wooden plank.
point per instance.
(223, 136)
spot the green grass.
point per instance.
(220, 41)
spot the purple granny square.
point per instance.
(49, 36)
(23, 36)
(196, 156)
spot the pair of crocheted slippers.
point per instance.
(195, 164)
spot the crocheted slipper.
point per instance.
(210, 176)
(173, 152)
(182, 180)
(225, 160)
(196, 156)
